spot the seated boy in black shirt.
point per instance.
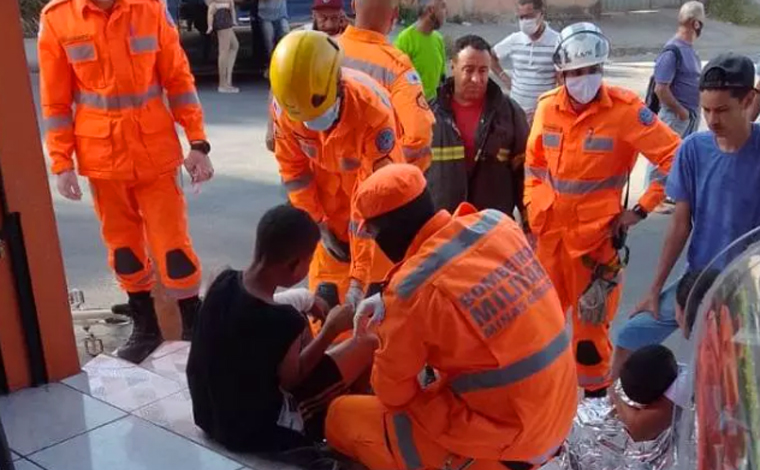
(257, 379)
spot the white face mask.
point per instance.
(583, 89)
(529, 26)
(326, 120)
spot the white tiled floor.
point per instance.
(40, 417)
(117, 416)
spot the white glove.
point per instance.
(68, 185)
(369, 314)
(355, 293)
(300, 299)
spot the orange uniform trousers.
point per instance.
(571, 277)
(374, 445)
(141, 215)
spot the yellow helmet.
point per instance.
(304, 74)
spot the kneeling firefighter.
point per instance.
(585, 139)
(469, 299)
(332, 127)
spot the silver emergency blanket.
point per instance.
(722, 431)
(599, 441)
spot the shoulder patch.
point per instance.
(413, 77)
(646, 116)
(385, 140)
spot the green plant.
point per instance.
(407, 14)
(742, 12)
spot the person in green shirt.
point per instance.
(424, 45)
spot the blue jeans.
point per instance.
(644, 330)
(273, 31)
(682, 128)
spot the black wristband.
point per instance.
(640, 211)
(201, 146)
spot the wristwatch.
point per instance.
(201, 146)
(640, 211)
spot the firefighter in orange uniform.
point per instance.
(467, 293)
(114, 60)
(584, 142)
(333, 127)
(367, 49)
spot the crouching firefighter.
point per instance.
(333, 127)
(585, 139)
(466, 294)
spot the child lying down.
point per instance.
(630, 430)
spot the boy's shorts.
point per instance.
(314, 395)
(644, 330)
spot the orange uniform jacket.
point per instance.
(472, 300)
(115, 69)
(577, 166)
(321, 170)
(371, 53)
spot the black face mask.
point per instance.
(396, 230)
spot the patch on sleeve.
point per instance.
(385, 140)
(646, 116)
(413, 78)
(422, 102)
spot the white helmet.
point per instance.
(581, 45)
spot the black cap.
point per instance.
(726, 71)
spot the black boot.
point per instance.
(146, 335)
(189, 309)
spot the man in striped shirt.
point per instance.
(530, 50)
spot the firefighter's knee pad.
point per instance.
(126, 262)
(178, 265)
(328, 291)
(586, 353)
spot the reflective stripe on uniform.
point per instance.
(550, 140)
(298, 183)
(184, 99)
(349, 164)
(576, 187)
(405, 439)
(598, 144)
(414, 154)
(355, 230)
(56, 123)
(514, 372)
(117, 102)
(442, 154)
(367, 81)
(586, 380)
(658, 176)
(143, 44)
(80, 52)
(378, 72)
(446, 252)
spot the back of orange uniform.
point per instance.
(371, 53)
(472, 301)
(575, 170)
(320, 170)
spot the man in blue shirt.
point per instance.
(676, 76)
(714, 182)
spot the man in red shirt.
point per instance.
(479, 137)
